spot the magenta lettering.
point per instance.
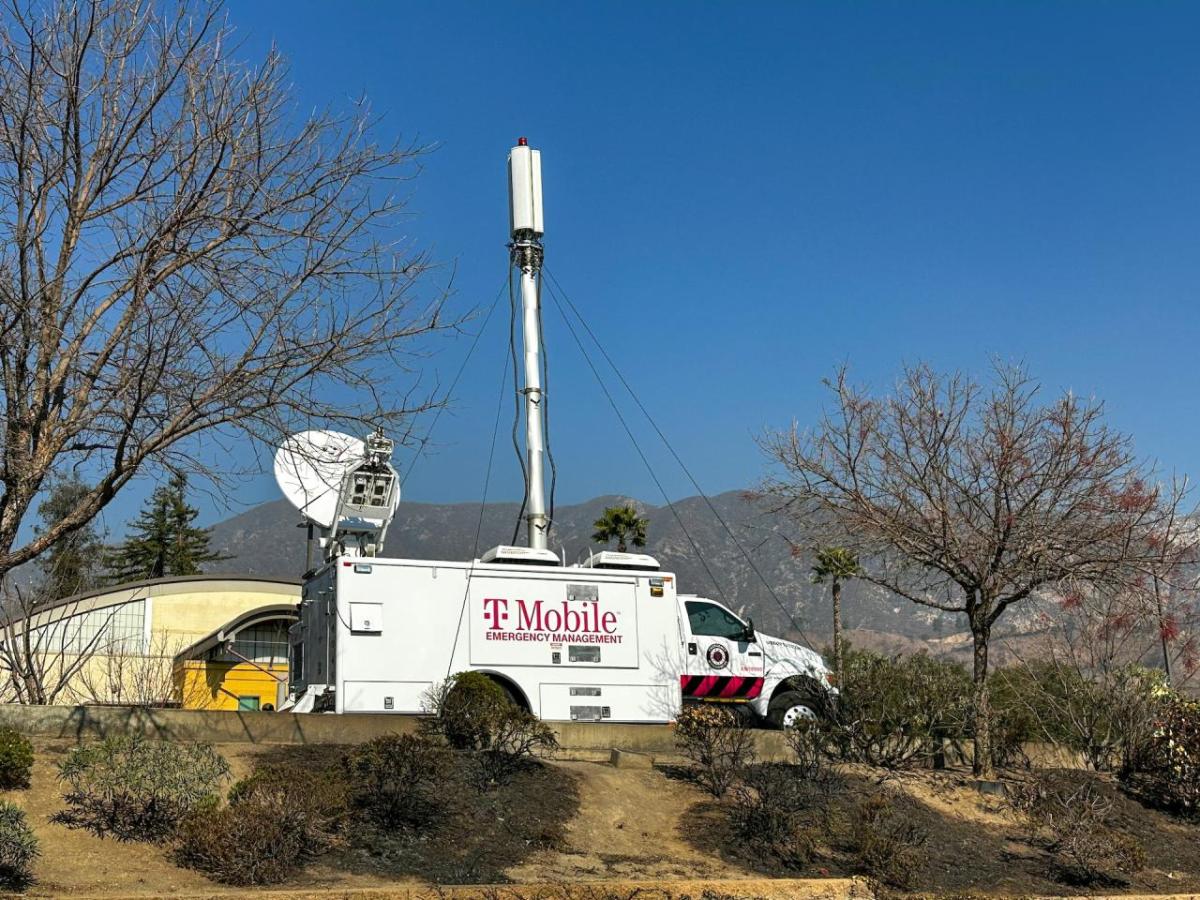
(538, 616)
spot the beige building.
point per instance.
(205, 641)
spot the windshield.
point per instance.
(710, 620)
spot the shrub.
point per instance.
(887, 843)
(475, 714)
(772, 811)
(1166, 774)
(517, 736)
(1107, 717)
(713, 738)
(318, 798)
(896, 712)
(1015, 720)
(1070, 815)
(464, 708)
(18, 847)
(396, 780)
(16, 759)
(137, 789)
(253, 842)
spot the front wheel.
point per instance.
(791, 708)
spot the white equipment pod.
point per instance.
(525, 190)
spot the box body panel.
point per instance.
(381, 632)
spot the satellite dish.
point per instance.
(309, 468)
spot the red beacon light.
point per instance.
(522, 142)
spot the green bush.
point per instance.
(18, 847)
(137, 789)
(475, 714)
(397, 780)
(464, 709)
(898, 711)
(16, 759)
(1107, 717)
(1015, 716)
(716, 742)
(1166, 774)
(252, 843)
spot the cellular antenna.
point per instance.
(525, 221)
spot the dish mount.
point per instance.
(345, 487)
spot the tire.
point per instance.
(790, 707)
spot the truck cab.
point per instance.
(728, 661)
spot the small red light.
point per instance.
(522, 142)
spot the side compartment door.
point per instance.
(724, 661)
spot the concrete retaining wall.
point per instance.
(81, 723)
(585, 740)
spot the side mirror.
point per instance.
(748, 635)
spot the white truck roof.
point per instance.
(612, 559)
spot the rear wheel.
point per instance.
(791, 708)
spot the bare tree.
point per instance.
(969, 500)
(44, 647)
(128, 676)
(183, 260)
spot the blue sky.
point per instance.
(742, 196)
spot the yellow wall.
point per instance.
(180, 613)
(207, 684)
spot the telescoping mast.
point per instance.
(526, 253)
(526, 229)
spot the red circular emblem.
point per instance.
(718, 656)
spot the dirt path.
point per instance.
(627, 828)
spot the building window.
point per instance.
(108, 631)
(247, 704)
(265, 644)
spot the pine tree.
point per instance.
(72, 565)
(163, 540)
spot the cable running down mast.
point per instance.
(526, 253)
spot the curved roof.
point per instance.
(172, 579)
(96, 595)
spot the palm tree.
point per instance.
(622, 524)
(835, 565)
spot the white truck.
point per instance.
(608, 640)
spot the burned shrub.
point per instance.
(252, 843)
(886, 841)
(1107, 717)
(18, 848)
(137, 789)
(284, 812)
(317, 798)
(395, 780)
(775, 811)
(16, 759)
(517, 736)
(716, 742)
(1069, 814)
